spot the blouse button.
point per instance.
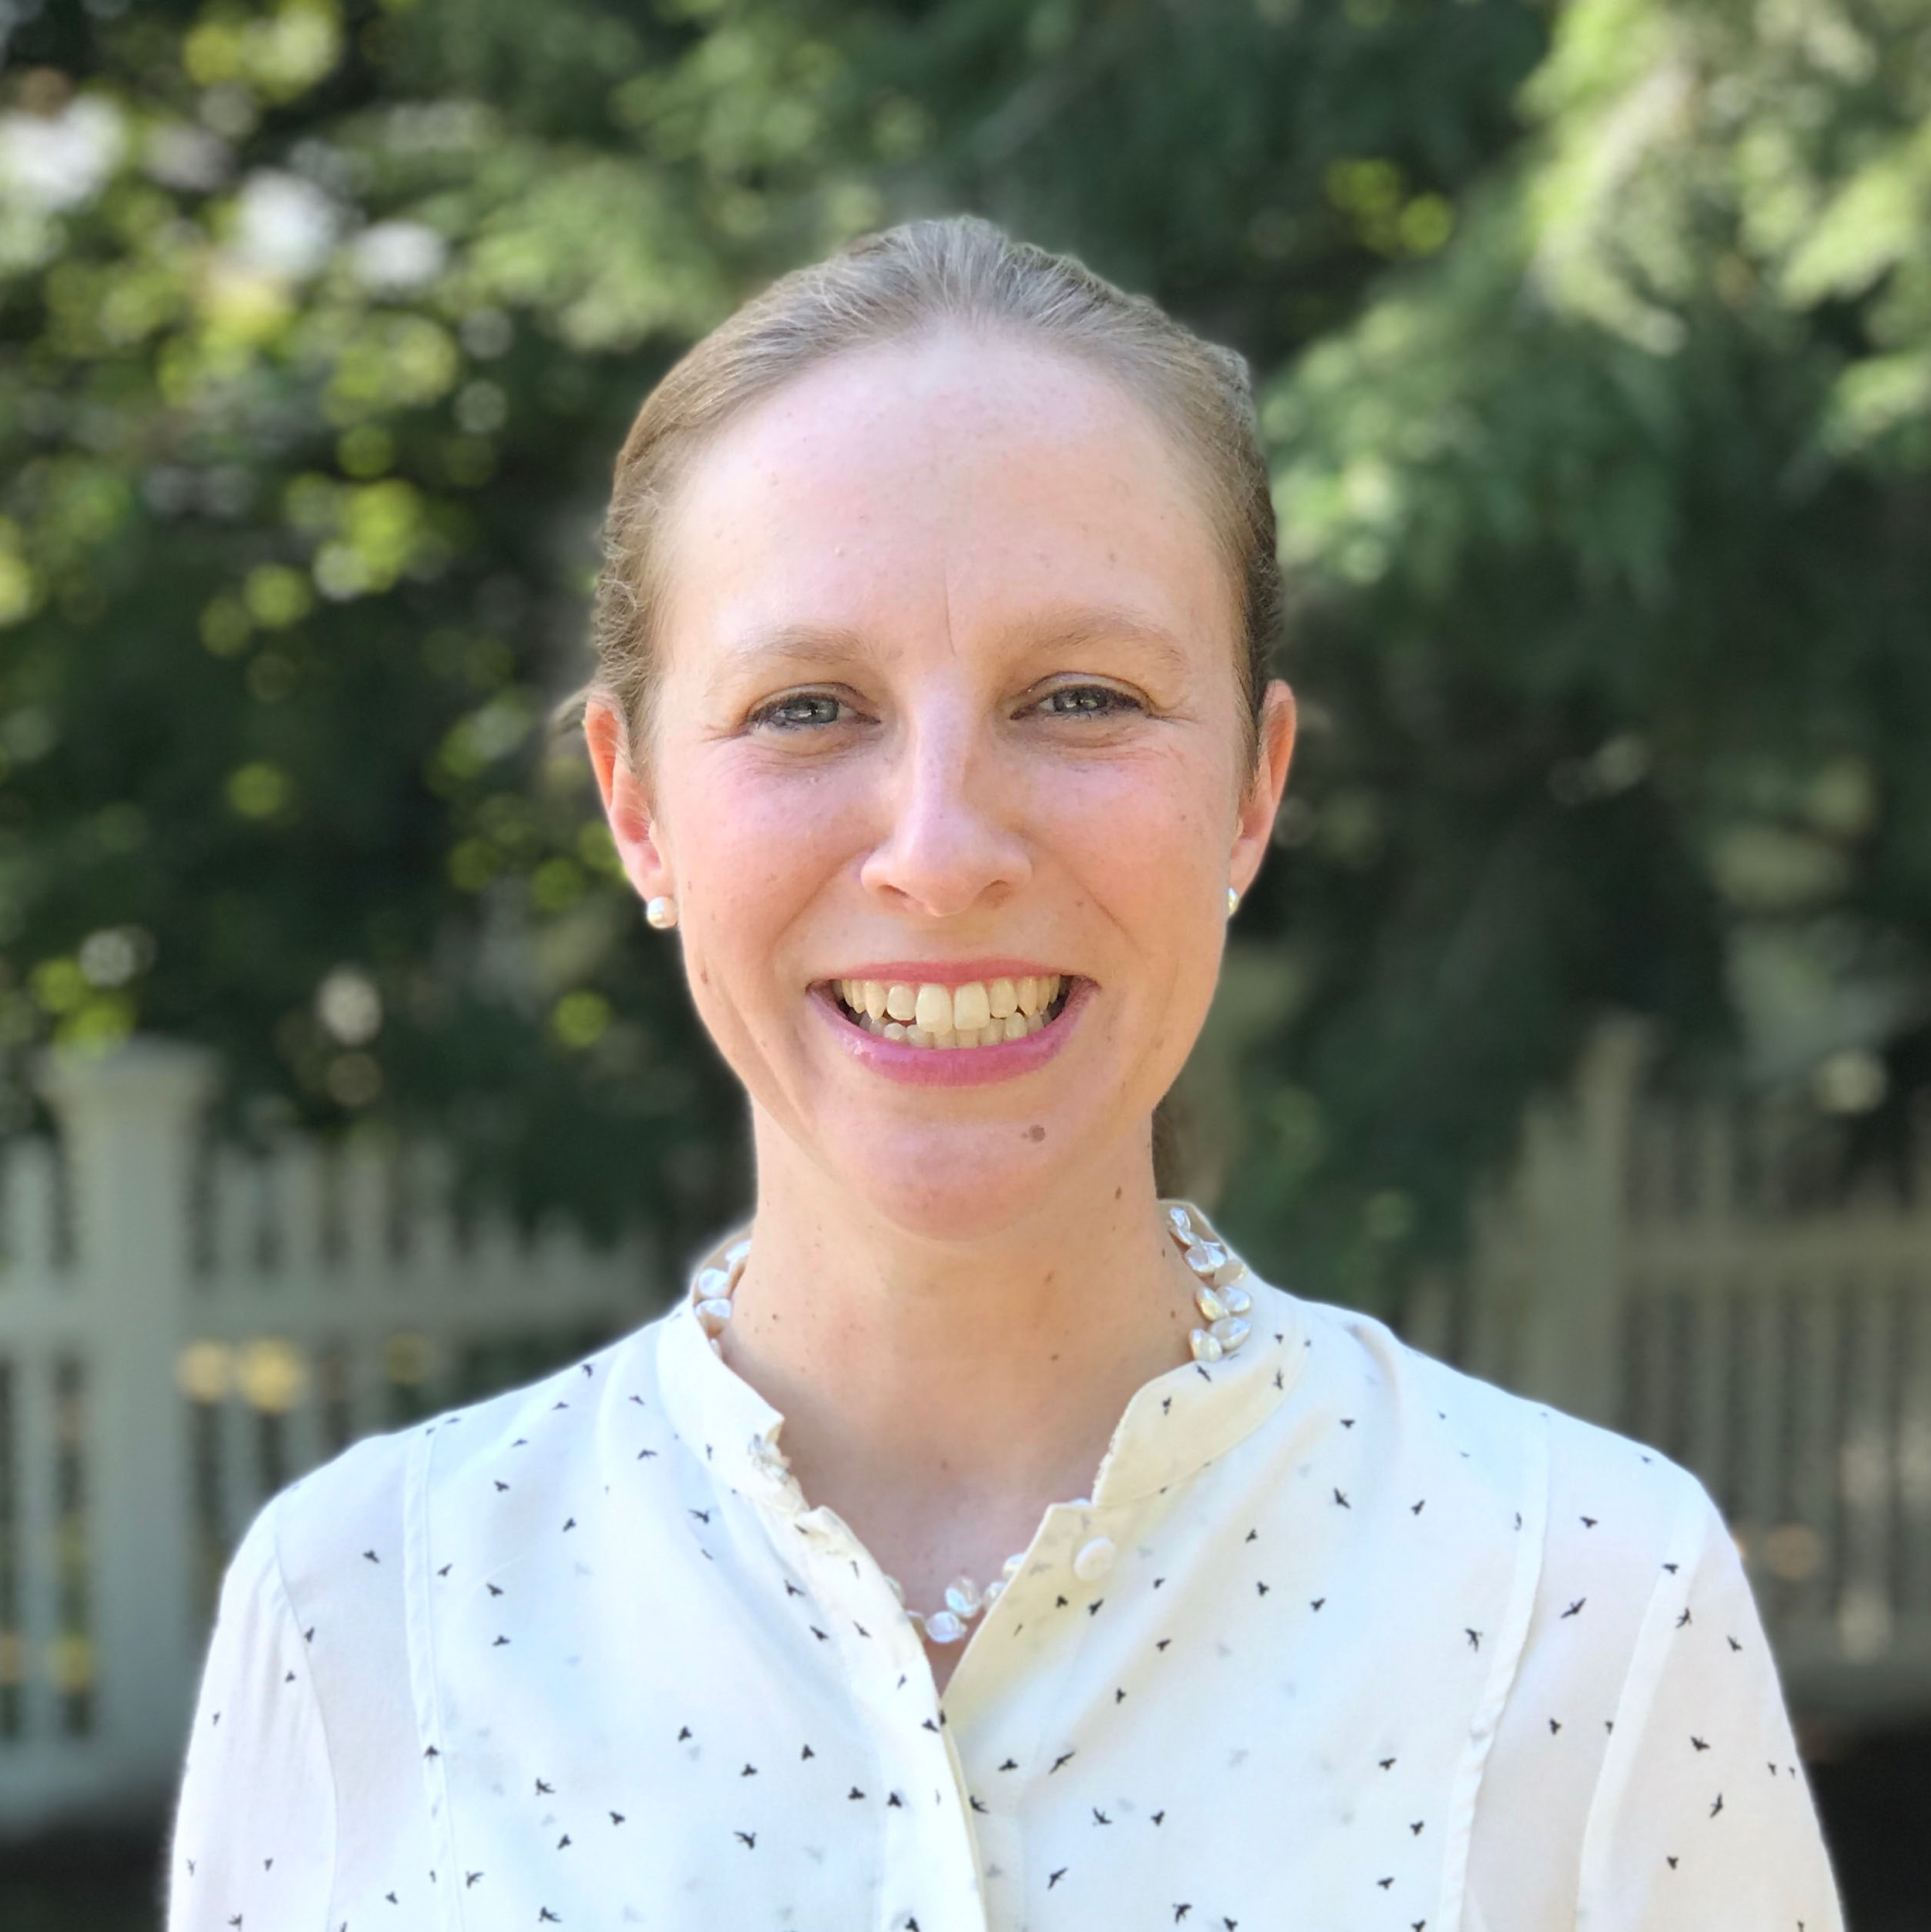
(1094, 1559)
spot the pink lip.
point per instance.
(960, 1065)
(932, 972)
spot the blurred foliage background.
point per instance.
(1593, 345)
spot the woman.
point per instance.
(977, 1544)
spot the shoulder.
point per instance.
(1587, 1486)
(1610, 1549)
(1609, 1533)
(350, 1521)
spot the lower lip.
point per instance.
(955, 1065)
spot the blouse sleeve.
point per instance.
(1702, 1821)
(254, 1837)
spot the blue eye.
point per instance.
(806, 708)
(1087, 700)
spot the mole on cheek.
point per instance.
(1035, 1133)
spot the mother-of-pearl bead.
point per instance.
(1219, 1301)
(713, 1310)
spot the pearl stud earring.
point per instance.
(1234, 901)
(661, 912)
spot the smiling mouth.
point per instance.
(979, 1013)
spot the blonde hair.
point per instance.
(889, 287)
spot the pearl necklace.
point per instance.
(1223, 1304)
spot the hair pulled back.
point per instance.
(889, 287)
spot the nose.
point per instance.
(950, 843)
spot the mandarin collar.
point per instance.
(1172, 1428)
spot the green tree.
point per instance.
(317, 330)
(1610, 525)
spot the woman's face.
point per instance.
(948, 701)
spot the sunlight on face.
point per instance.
(948, 698)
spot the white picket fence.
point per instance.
(183, 1330)
(1694, 1276)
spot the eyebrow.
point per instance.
(1054, 629)
(783, 642)
(1085, 624)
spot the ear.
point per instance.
(1262, 800)
(627, 801)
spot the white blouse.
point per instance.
(1344, 1641)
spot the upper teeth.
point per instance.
(973, 1015)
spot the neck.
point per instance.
(938, 1394)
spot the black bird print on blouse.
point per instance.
(1367, 1646)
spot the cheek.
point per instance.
(752, 847)
(1142, 833)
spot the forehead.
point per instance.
(959, 481)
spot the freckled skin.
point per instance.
(948, 671)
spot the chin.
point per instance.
(968, 1181)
